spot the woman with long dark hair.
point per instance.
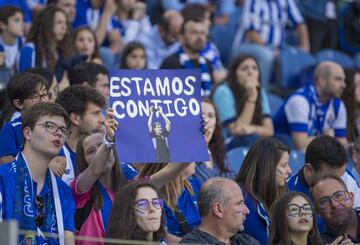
(293, 221)
(262, 178)
(243, 105)
(137, 214)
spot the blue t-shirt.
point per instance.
(257, 221)
(8, 191)
(303, 112)
(11, 138)
(187, 204)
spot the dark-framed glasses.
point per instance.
(41, 97)
(54, 128)
(325, 202)
(295, 210)
(39, 219)
(144, 204)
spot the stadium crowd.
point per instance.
(278, 78)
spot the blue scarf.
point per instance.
(205, 75)
(26, 209)
(320, 111)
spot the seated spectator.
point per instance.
(322, 22)
(334, 202)
(243, 105)
(50, 78)
(262, 178)
(11, 33)
(254, 36)
(92, 75)
(193, 40)
(180, 196)
(85, 43)
(31, 193)
(223, 212)
(218, 164)
(47, 43)
(24, 90)
(324, 154)
(315, 109)
(68, 6)
(163, 39)
(137, 214)
(355, 154)
(351, 98)
(349, 31)
(133, 56)
(293, 221)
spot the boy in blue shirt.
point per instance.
(30, 192)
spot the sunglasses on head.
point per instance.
(145, 203)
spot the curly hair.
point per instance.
(42, 35)
(239, 91)
(217, 142)
(122, 219)
(348, 96)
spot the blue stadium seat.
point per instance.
(275, 103)
(236, 157)
(292, 62)
(333, 55)
(296, 160)
(357, 61)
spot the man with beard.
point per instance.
(193, 39)
(334, 203)
(314, 109)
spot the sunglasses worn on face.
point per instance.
(145, 203)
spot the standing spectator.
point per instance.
(11, 33)
(243, 104)
(223, 212)
(262, 31)
(322, 22)
(46, 43)
(133, 56)
(349, 28)
(32, 195)
(193, 39)
(335, 202)
(163, 39)
(293, 221)
(315, 109)
(85, 43)
(262, 178)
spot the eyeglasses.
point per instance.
(295, 210)
(145, 203)
(325, 202)
(40, 97)
(39, 219)
(53, 128)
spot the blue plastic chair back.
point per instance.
(336, 56)
(236, 157)
(296, 160)
(275, 103)
(292, 62)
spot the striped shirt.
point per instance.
(269, 18)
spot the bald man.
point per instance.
(223, 212)
(315, 109)
(163, 39)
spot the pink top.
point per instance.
(93, 226)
